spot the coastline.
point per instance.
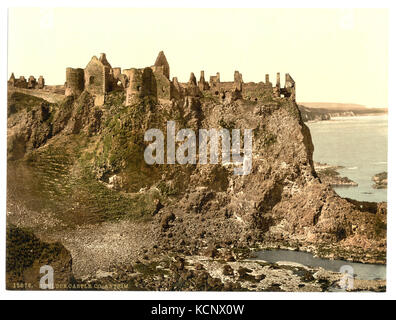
(310, 114)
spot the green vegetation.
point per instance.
(20, 101)
(121, 146)
(167, 190)
(61, 180)
(208, 97)
(265, 137)
(293, 110)
(149, 269)
(255, 95)
(114, 98)
(227, 125)
(269, 139)
(69, 176)
(23, 248)
(220, 179)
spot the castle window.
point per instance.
(91, 79)
(138, 88)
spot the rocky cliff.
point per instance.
(79, 169)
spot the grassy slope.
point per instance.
(62, 175)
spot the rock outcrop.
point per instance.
(329, 175)
(380, 180)
(282, 199)
(84, 164)
(26, 254)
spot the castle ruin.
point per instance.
(99, 78)
(22, 83)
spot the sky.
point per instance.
(334, 55)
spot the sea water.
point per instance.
(361, 270)
(360, 145)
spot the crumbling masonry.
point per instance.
(99, 78)
(31, 83)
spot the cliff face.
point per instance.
(100, 175)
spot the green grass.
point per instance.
(20, 101)
(61, 179)
(68, 179)
(23, 248)
(227, 125)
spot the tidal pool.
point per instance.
(361, 270)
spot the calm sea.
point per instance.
(360, 144)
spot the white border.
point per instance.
(53, 295)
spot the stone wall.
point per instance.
(141, 83)
(21, 82)
(98, 78)
(257, 91)
(162, 62)
(135, 84)
(46, 95)
(94, 77)
(203, 84)
(74, 82)
(163, 86)
(40, 82)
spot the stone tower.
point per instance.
(161, 64)
(32, 82)
(99, 79)
(290, 86)
(74, 81)
(40, 83)
(202, 84)
(11, 82)
(238, 81)
(141, 83)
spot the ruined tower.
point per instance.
(214, 80)
(98, 78)
(162, 65)
(134, 89)
(40, 83)
(202, 84)
(141, 83)
(277, 88)
(21, 82)
(238, 81)
(192, 87)
(177, 91)
(290, 87)
(31, 82)
(11, 81)
(74, 81)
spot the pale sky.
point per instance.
(334, 55)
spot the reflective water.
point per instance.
(361, 270)
(359, 144)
